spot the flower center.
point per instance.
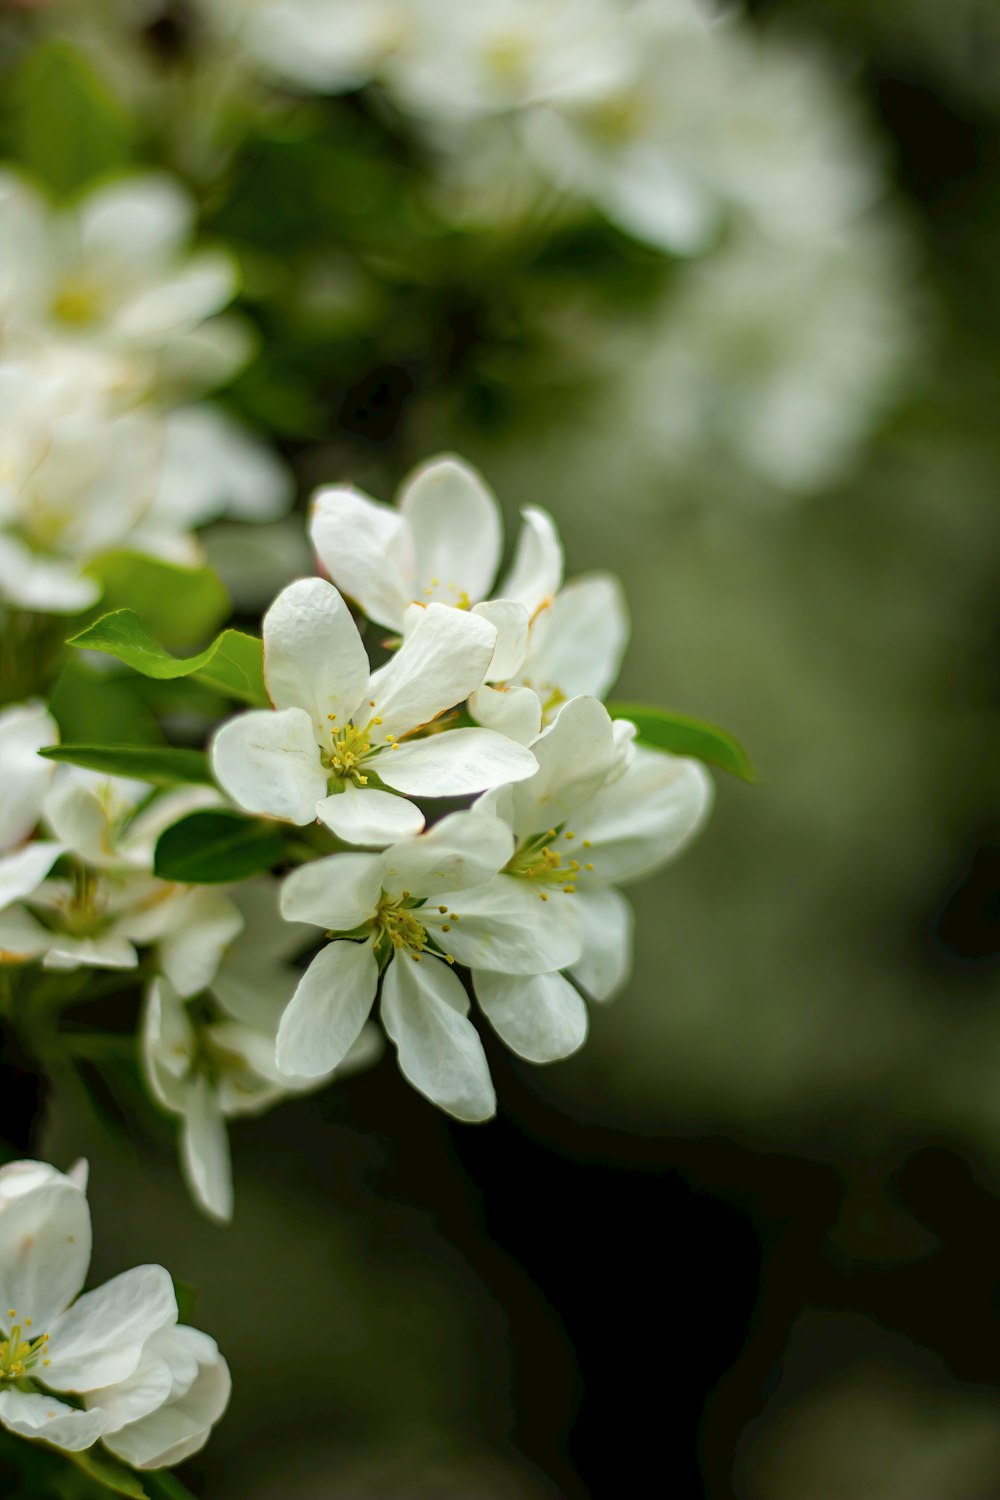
(538, 861)
(77, 302)
(450, 593)
(396, 923)
(20, 1351)
(350, 745)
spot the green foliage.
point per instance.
(90, 706)
(163, 765)
(39, 1472)
(208, 848)
(683, 735)
(233, 663)
(178, 605)
(108, 1474)
(68, 127)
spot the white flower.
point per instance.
(149, 1389)
(214, 1060)
(443, 543)
(322, 45)
(599, 812)
(115, 269)
(337, 727)
(213, 466)
(413, 911)
(24, 780)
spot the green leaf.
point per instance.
(109, 1474)
(187, 1296)
(69, 127)
(95, 706)
(162, 1485)
(233, 663)
(682, 735)
(162, 764)
(181, 606)
(208, 848)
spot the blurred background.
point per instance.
(747, 1241)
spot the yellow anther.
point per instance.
(569, 889)
(543, 895)
(376, 720)
(363, 780)
(569, 835)
(415, 957)
(406, 895)
(588, 867)
(332, 718)
(12, 1312)
(587, 844)
(454, 916)
(448, 958)
(445, 926)
(443, 910)
(27, 1324)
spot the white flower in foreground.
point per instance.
(116, 268)
(337, 728)
(212, 1058)
(24, 780)
(598, 813)
(412, 911)
(150, 1389)
(442, 543)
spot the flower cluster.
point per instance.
(109, 324)
(113, 1365)
(490, 696)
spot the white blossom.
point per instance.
(25, 728)
(413, 911)
(213, 1059)
(337, 727)
(148, 1388)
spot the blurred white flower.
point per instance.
(117, 269)
(211, 1057)
(337, 727)
(24, 781)
(149, 1389)
(413, 911)
(323, 45)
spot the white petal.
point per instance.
(366, 815)
(36, 1416)
(454, 520)
(167, 1046)
(99, 1340)
(462, 850)
(424, 1012)
(23, 872)
(203, 924)
(456, 763)
(180, 301)
(179, 1428)
(136, 224)
(84, 811)
(269, 763)
(106, 952)
(367, 550)
(213, 466)
(146, 1389)
(42, 583)
(606, 926)
(44, 1252)
(313, 656)
(647, 816)
(511, 621)
(513, 711)
(325, 1015)
(24, 776)
(339, 893)
(537, 570)
(504, 925)
(575, 756)
(541, 1017)
(20, 1177)
(204, 1150)
(577, 644)
(21, 937)
(442, 661)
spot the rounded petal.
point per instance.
(505, 925)
(204, 1149)
(213, 466)
(99, 1340)
(198, 289)
(23, 872)
(462, 850)
(366, 815)
(339, 893)
(513, 711)
(454, 520)
(167, 1046)
(44, 1252)
(325, 1015)
(444, 658)
(33, 1415)
(647, 816)
(24, 776)
(203, 924)
(541, 1017)
(456, 763)
(575, 756)
(41, 583)
(367, 550)
(175, 1430)
(511, 622)
(313, 656)
(577, 644)
(606, 927)
(537, 569)
(139, 223)
(269, 763)
(425, 1013)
